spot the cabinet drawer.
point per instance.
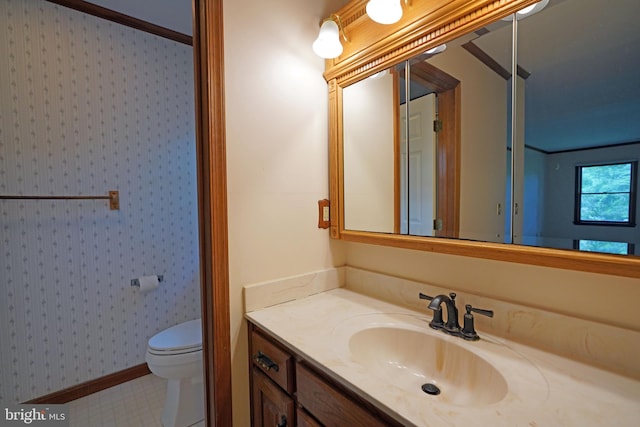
(271, 359)
(329, 405)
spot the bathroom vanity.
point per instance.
(287, 390)
(343, 358)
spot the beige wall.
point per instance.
(277, 154)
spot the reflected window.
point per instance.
(605, 194)
(620, 248)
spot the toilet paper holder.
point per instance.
(136, 282)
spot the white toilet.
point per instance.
(176, 354)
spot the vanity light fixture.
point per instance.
(384, 11)
(328, 45)
(528, 11)
(437, 49)
(377, 75)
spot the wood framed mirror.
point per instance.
(372, 48)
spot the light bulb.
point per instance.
(384, 11)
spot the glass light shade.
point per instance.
(378, 75)
(437, 49)
(528, 11)
(384, 11)
(328, 45)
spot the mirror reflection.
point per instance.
(582, 131)
(448, 178)
(577, 135)
(369, 154)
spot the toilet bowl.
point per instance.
(176, 354)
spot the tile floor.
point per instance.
(137, 403)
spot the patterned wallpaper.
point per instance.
(88, 106)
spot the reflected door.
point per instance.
(417, 207)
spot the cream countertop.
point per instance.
(543, 389)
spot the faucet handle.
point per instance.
(488, 313)
(468, 330)
(436, 321)
(424, 296)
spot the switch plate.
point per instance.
(324, 217)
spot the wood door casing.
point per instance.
(448, 144)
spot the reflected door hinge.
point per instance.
(437, 224)
(437, 125)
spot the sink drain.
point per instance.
(431, 389)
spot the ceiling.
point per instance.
(173, 14)
(584, 60)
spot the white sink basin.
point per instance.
(409, 359)
(387, 351)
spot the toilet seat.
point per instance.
(179, 339)
(173, 352)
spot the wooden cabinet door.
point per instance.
(305, 420)
(272, 407)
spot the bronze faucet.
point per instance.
(452, 327)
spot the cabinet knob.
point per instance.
(283, 422)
